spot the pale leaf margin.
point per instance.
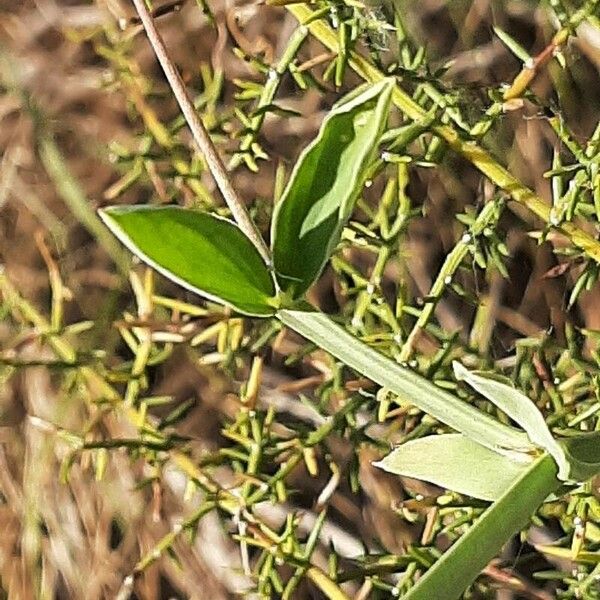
(454, 462)
(520, 409)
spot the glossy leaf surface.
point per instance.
(204, 253)
(324, 185)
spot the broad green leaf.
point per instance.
(456, 463)
(324, 185)
(204, 253)
(583, 455)
(519, 408)
(409, 386)
(460, 565)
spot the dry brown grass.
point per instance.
(81, 538)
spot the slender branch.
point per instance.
(471, 151)
(268, 92)
(199, 133)
(533, 67)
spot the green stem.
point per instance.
(460, 565)
(490, 213)
(268, 92)
(366, 296)
(474, 153)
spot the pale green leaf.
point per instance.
(324, 185)
(592, 558)
(519, 408)
(204, 253)
(409, 386)
(456, 463)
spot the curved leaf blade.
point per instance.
(519, 408)
(456, 463)
(323, 186)
(461, 564)
(203, 253)
(409, 386)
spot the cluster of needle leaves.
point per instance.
(286, 463)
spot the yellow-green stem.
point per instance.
(471, 151)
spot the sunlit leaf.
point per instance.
(324, 185)
(408, 385)
(592, 558)
(512, 44)
(456, 463)
(519, 408)
(201, 252)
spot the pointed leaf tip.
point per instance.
(521, 409)
(324, 185)
(203, 253)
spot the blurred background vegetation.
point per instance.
(155, 446)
